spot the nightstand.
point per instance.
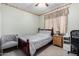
(58, 40)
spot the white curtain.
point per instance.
(63, 24)
(57, 20)
(48, 22)
(56, 24)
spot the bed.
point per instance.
(30, 43)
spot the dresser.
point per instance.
(58, 40)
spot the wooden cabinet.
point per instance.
(58, 40)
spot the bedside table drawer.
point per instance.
(58, 40)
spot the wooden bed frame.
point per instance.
(24, 46)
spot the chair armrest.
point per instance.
(16, 38)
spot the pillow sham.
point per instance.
(44, 31)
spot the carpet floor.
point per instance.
(48, 51)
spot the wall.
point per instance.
(21, 22)
(0, 19)
(73, 19)
(41, 21)
(18, 21)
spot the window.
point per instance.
(48, 22)
(57, 20)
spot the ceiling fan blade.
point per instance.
(37, 4)
(46, 4)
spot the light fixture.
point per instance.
(41, 4)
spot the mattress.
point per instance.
(36, 41)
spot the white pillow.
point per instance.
(44, 31)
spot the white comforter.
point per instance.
(37, 41)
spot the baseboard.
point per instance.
(9, 49)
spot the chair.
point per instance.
(8, 41)
(74, 35)
(0, 48)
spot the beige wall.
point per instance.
(73, 19)
(18, 21)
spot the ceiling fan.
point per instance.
(41, 3)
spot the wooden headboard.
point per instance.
(44, 29)
(47, 30)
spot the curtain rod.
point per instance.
(56, 9)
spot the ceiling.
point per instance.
(38, 10)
